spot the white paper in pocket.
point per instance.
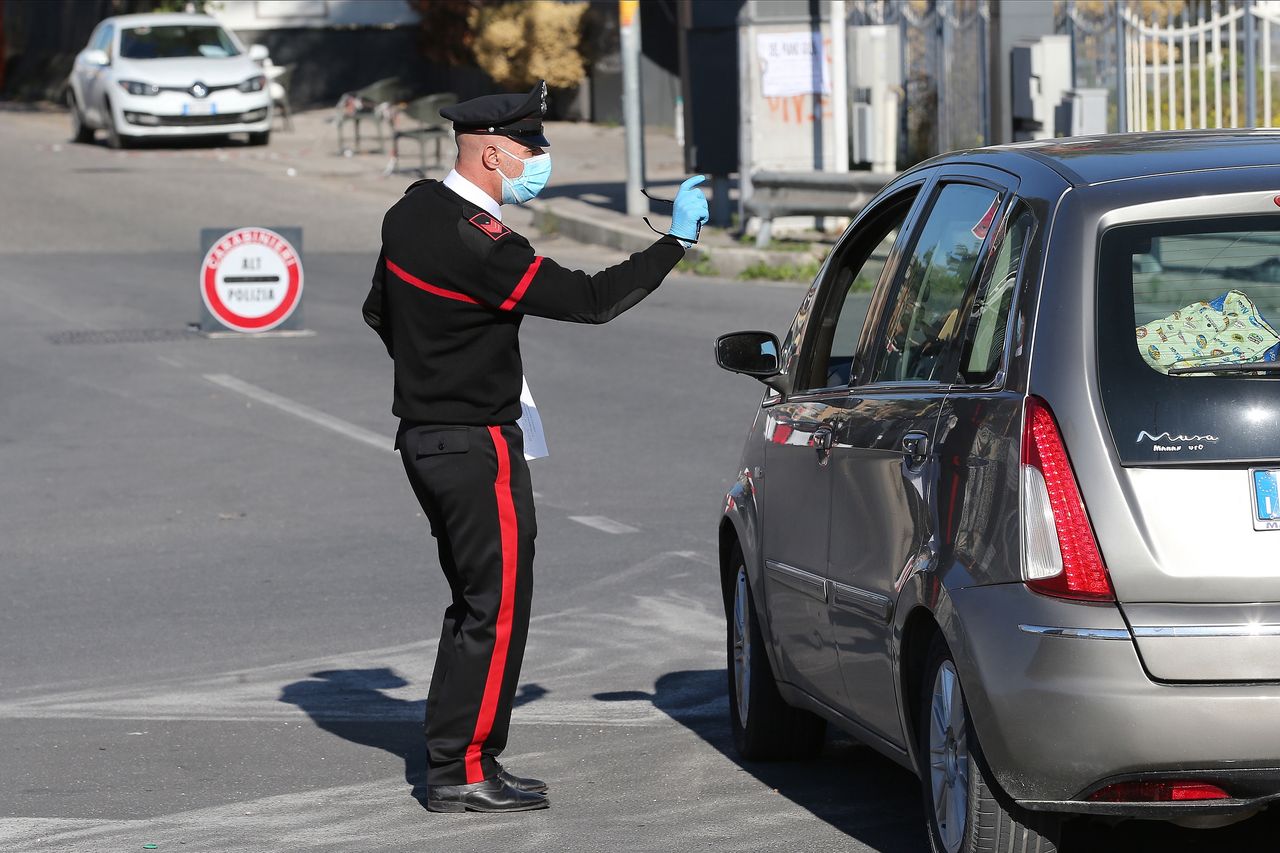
(530, 423)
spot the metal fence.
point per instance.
(1203, 65)
(945, 102)
(1200, 64)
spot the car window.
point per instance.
(983, 351)
(925, 317)
(102, 40)
(851, 278)
(1188, 338)
(1206, 299)
(170, 42)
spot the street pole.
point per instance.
(839, 87)
(632, 117)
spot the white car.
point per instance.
(155, 76)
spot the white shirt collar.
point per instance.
(473, 194)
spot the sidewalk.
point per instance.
(584, 201)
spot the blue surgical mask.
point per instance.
(526, 185)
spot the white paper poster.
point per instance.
(792, 64)
(530, 423)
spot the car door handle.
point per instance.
(916, 445)
(821, 442)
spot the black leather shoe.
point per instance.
(533, 786)
(491, 795)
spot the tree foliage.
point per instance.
(520, 43)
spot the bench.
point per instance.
(420, 119)
(775, 194)
(372, 103)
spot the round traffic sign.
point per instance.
(251, 279)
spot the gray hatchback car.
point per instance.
(1009, 511)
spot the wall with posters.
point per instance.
(785, 53)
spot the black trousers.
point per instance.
(473, 484)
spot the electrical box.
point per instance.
(875, 56)
(1083, 112)
(862, 122)
(1040, 72)
(875, 85)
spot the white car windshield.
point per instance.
(176, 41)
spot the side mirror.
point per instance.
(258, 52)
(96, 57)
(750, 353)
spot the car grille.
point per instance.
(200, 121)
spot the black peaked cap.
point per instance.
(516, 116)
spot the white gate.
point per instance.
(1208, 67)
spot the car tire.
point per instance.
(115, 140)
(260, 138)
(965, 812)
(765, 727)
(80, 132)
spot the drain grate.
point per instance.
(124, 336)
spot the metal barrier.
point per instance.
(776, 194)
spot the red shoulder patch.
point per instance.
(490, 226)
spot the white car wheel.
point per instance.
(80, 132)
(114, 138)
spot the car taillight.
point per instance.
(1158, 792)
(1060, 555)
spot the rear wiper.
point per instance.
(1240, 367)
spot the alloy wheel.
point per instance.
(948, 757)
(742, 646)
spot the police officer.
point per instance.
(449, 291)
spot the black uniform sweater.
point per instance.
(450, 289)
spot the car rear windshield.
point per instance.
(1189, 338)
(174, 42)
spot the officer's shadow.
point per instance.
(351, 704)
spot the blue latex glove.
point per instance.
(690, 211)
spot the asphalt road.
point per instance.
(220, 613)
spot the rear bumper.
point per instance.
(1252, 789)
(1060, 716)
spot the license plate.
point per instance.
(1266, 498)
(199, 108)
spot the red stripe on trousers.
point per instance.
(507, 527)
(516, 295)
(429, 288)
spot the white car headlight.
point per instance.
(133, 87)
(253, 84)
